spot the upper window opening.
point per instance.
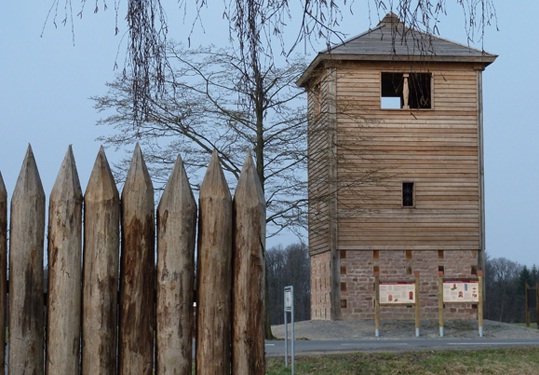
(406, 91)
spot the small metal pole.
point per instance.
(289, 308)
(285, 339)
(527, 303)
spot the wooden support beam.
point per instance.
(137, 272)
(249, 274)
(214, 276)
(27, 232)
(176, 230)
(3, 272)
(101, 271)
(65, 251)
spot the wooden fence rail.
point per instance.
(86, 328)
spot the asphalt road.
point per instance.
(304, 347)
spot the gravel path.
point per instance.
(364, 330)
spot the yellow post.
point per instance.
(377, 304)
(537, 303)
(441, 302)
(480, 306)
(526, 288)
(417, 322)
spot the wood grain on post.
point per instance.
(248, 286)
(3, 270)
(137, 275)
(480, 304)
(27, 232)
(101, 260)
(441, 302)
(64, 249)
(417, 304)
(214, 278)
(176, 230)
(377, 304)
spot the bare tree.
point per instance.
(288, 266)
(502, 284)
(213, 102)
(256, 28)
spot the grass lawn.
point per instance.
(512, 361)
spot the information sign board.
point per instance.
(461, 291)
(397, 293)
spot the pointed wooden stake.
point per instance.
(3, 268)
(65, 249)
(137, 280)
(27, 229)
(176, 226)
(101, 260)
(249, 274)
(214, 277)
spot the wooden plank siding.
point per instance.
(437, 149)
(318, 168)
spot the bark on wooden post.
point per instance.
(214, 279)
(3, 268)
(176, 230)
(101, 260)
(441, 302)
(137, 318)
(248, 287)
(377, 304)
(64, 249)
(27, 231)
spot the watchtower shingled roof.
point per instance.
(391, 40)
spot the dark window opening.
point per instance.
(474, 270)
(408, 194)
(441, 269)
(406, 90)
(375, 254)
(440, 254)
(408, 254)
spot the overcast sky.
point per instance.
(46, 82)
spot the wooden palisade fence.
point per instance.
(87, 326)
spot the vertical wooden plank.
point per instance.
(248, 287)
(64, 249)
(176, 230)
(3, 270)
(214, 277)
(27, 231)
(101, 261)
(137, 273)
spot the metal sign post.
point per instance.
(289, 308)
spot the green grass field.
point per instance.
(513, 361)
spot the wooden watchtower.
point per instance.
(395, 168)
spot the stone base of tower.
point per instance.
(357, 282)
